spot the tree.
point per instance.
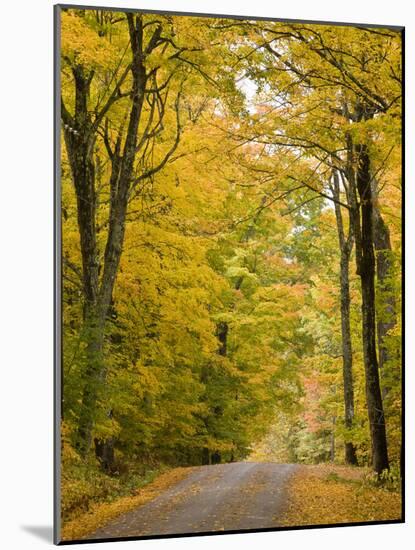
(218, 177)
(82, 128)
(342, 92)
(346, 245)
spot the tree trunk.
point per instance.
(347, 352)
(366, 271)
(93, 378)
(216, 458)
(333, 439)
(222, 334)
(205, 456)
(79, 144)
(386, 318)
(345, 246)
(104, 451)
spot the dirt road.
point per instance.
(223, 497)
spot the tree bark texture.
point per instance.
(345, 245)
(386, 319)
(366, 266)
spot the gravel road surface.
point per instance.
(223, 497)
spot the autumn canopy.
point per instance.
(231, 229)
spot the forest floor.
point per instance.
(332, 494)
(238, 496)
(101, 513)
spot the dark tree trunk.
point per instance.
(366, 270)
(104, 451)
(350, 450)
(216, 458)
(345, 245)
(386, 318)
(222, 334)
(79, 144)
(333, 439)
(205, 456)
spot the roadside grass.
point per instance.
(330, 494)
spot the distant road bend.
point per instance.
(223, 497)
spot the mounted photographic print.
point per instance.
(228, 274)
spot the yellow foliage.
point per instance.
(82, 44)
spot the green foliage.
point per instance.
(389, 480)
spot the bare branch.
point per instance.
(299, 206)
(167, 156)
(115, 95)
(321, 193)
